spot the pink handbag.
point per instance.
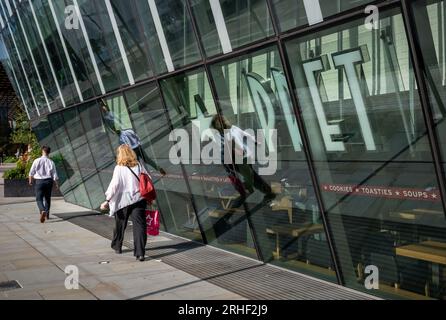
(153, 222)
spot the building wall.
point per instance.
(358, 113)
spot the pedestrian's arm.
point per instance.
(55, 176)
(32, 172)
(152, 163)
(248, 135)
(113, 186)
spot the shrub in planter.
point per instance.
(16, 181)
(14, 174)
(10, 160)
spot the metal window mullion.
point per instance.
(161, 36)
(74, 154)
(91, 153)
(183, 169)
(32, 58)
(39, 31)
(219, 110)
(419, 69)
(307, 151)
(8, 6)
(16, 80)
(59, 148)
(119, 42)
(64, 46)
(126, 103)
(89, 48)
(220, 24)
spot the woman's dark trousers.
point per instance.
(138, 213)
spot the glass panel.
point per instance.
(226, 25)
(56, 52)
(66, 152)
(78, 51)
(74, 127)
(431, 28)
(46, 137)
(103, 42)
(95, 191)
(168, 32)
(373, 159)
(152, 126)
(81, 195)
(28, 65)
(191, 108)
(69, 197)
(40, 58)
(296, 13)
(254, 96)
(133, 38)
(11, 65)
(97, 137)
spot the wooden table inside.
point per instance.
(293, 231)
(416, 214)
(431, 251)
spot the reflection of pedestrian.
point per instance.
(130, 138)
(228, 134)
(110, 119)
(43, 171)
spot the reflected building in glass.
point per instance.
(356, 96)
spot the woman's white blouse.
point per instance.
(124, 188)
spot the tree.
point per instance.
(22, 133)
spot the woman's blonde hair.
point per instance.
(125, 156)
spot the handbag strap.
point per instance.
(134, 172)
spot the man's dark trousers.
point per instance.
(43, 189)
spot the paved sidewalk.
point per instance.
(36, 255)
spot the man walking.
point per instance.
(43, 171)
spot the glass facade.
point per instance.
(350, 100)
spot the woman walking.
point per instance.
(124, 200)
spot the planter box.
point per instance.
(21, 188)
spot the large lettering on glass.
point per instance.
(313, 69)
(285, 102)
(349, 60)
(263, 99)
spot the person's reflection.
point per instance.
(251, 179)
(127, 136)
(112, 122)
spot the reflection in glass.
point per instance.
(372, 156)
(151, 124)
(227, 25)
(431, 28)
(191, 109)
(254, 95)
(296, 13)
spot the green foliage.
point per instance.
(22, 133)
(15, 174)
(10, 160)
(19, 172)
